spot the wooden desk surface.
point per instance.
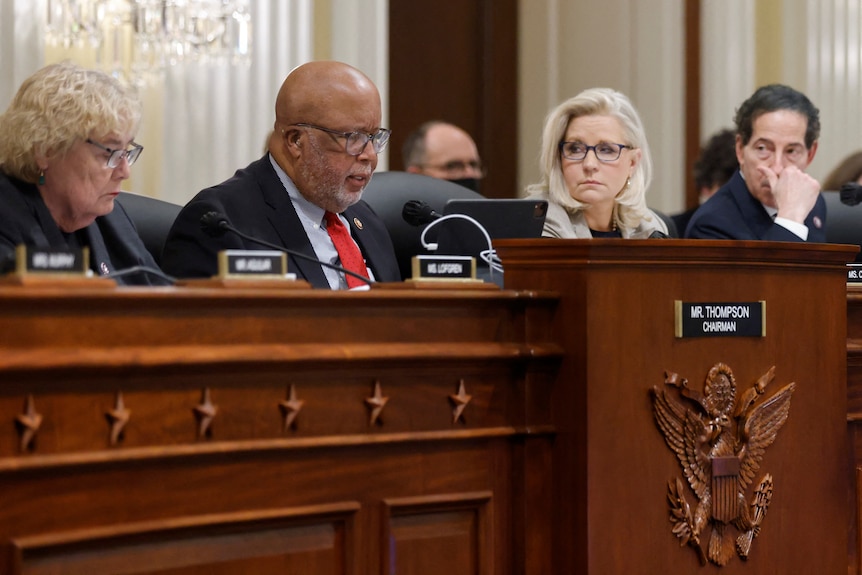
(187, 430)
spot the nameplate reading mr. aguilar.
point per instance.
(252, 264)
(720, 319)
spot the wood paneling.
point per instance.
(457, 61)
(692, 100)
(303, 540)
(452, 532)
(854, 421)
(616, 322)
(416, 489)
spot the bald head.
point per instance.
(317, 108)
(442, 150)
(315, 91)
(442, 137)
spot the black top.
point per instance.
(609, 234)
(113, 242)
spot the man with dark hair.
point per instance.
(442, 150)
(712, 169)
(770, 197)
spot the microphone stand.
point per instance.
(224, 226)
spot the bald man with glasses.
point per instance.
(445, 151)
(305, 193)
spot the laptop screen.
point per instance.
(501, 218)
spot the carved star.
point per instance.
(118, 418)
(28, 423)
(460, 401)
(376, 403)
(205, 412)
(290, 408)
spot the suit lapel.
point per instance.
(100, 259)
(288, 228)
(47, 226)
(755, 215)
(367, 242)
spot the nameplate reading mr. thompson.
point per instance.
(720, 319)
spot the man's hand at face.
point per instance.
(795, 192)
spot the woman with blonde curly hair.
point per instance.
(596, 168)
(66, 146)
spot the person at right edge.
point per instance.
(771, 197)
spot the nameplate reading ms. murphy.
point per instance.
(33, 260)
(720, 319)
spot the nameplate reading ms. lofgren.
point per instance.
(720, 319)
(445, 268)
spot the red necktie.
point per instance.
(348, 251)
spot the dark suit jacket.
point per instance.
(112, 239)
(734, 214)
(255, 202)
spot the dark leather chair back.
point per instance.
(672, 232)
(153, 219)
(389, 191)
(843, 222)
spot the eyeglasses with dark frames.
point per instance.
(605, 152)
(460, 167)
(116, 156)
(355, 142)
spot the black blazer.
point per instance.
(732, 213)
(112, 239)
(255, 202)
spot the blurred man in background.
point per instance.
(716, 164)
(442, 150)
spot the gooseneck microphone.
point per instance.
(142, 270)
(418, 213)
(215, 225)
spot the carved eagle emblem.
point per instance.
(720, 442)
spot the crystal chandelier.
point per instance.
(135, 39)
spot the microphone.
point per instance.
(215, 225)
(418, 213)
(432, 218)
(147, 270)
(850, 193)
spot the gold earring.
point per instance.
(628, 182)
